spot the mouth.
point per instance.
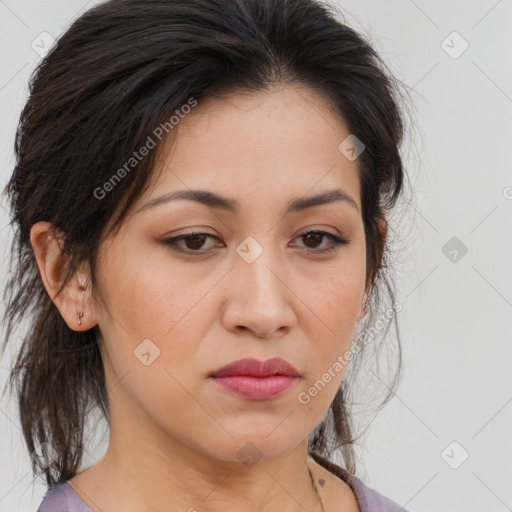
(256, 380)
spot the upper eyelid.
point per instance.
(212, 235)
(198, 231)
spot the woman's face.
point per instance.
(251, 286)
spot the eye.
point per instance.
(194, 243)
(314, 237)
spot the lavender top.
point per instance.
(62, 498)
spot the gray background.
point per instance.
(454, 323)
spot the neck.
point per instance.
(159, 473)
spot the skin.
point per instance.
(174, 436)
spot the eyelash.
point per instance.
(336, 242)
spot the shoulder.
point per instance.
(371, 500)
(364, 498)
(62, 498)
(335, 492)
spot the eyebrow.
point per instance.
(217, 201)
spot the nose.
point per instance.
(259, 296)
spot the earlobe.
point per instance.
(364, 307)
(383, 228)
(74, 301)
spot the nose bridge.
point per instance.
(257, 297)
(257, 263)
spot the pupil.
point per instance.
(192, 241)
(313, 235)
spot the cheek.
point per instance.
(332, 321)
(334, 303)
(160, 311)
(152, 331)
(147, 297)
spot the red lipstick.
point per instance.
(256, 380)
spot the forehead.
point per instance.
(271, 144)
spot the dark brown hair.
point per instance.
(121, 70)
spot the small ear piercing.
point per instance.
(80, 315)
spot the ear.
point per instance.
(74, 298)
(383, 230)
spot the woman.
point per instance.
(200, 195)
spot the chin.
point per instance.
(250, 449)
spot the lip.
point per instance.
(256, 380)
